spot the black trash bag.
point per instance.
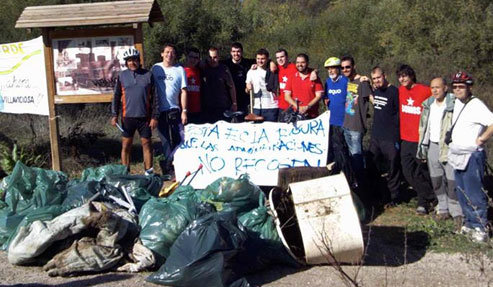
(216, 250)
(80, 193)
(140, 187)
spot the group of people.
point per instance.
(431, 137)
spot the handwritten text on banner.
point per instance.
(226, 149)
(23, 78)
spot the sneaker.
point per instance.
(464, 230)
(421, 210)
(479, 236)
(149, 172)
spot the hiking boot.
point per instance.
(479, 236)
(421, 210)
(458, 221)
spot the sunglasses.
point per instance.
(459, 87)
(346, 67)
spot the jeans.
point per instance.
(354, 141)
(169, 130)
(472, 197)
(270, 115)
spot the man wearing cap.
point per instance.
(134, 94)
(411, 96)
(335, 99)
(472, 126)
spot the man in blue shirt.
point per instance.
(335, 99)
(171, 88)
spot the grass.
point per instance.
(441, 237)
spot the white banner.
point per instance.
(23, 78)
(226, 149)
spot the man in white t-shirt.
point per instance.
(435, 121)
(265, 103)
(472, 126)
(171, 84)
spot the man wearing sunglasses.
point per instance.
(472, 126)
(354, 127)
(411, 96)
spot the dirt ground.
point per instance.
(430, 269)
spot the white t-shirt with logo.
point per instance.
(169, 82)
(267, 100)
(471, 123)
(435, 120)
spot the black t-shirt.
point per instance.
(239, 72)
(386, 114)
(215, 89)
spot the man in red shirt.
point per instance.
(193, 86)
(285, 71)
(300, 87)
(411, 95)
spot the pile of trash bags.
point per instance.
(110, 220)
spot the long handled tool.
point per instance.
(252, 117)
(169, 190)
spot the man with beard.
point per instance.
(218, 89)
(300, 87)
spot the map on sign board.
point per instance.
(259, 150)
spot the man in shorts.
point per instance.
(134, 94)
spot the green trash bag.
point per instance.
(228, 194)
(26, 190)
(162, 220)
(259, 221)
(98, 173)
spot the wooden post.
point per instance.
(138, 39)
(50, 83)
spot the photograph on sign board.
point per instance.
(89, 65)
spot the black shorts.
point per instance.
(130, 125)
